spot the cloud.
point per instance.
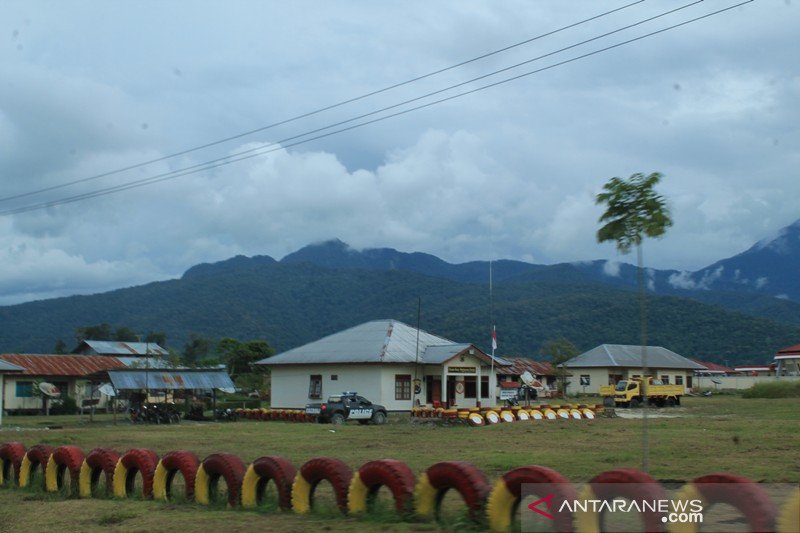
(612, 268)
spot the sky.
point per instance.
(88, 88)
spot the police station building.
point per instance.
(388, 362)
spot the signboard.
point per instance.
(508, 394)
(461, 370)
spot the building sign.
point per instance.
(461, 370)
(508, 394)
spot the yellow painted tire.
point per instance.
(219, 465)
(588, 413)
(137, 460)
(576, 414)
(11, 455)
(263, 470)
(475, 419)
(394, 475)
(734, 490)
(36, 456)
(536, 414)
(549, 414)
(522, 414)
(63, 459)
(337, 473)
(626, 483)
(98, 461)
(492, 417)
(507, 416)
(507, 493)
(563, 413)
(466, 479)
(179, 461)
(789, 517)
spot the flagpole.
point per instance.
(492, 378)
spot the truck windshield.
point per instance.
(621, 385)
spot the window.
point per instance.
(678, 380)
(470, 387)
(484, 386)
(334, 377)
(315, 387)
(24, 389)
(665, 380)
(402, 386)
(586, 380)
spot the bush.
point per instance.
(66, 406)
(775, 389)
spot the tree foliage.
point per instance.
(560, 351)
(239, 356)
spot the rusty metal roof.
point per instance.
(519, 365)
(61, 365)
(129, 379)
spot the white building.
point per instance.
(387, 362)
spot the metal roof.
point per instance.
(61, 365)
(169, 379)
(519, 365)
(625, 356)
(8, 367)
(123, 348)
(379, 341)
(144, 362)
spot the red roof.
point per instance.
(789, 351)
(62, 365)
(713, 367)
(520, 364)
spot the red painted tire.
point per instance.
(219, 465)
(11, 454)
(36, 456)
(168, 467)
(98, 461)
(63, 459)
(263, 470)
(743, 494)
(507, 493)
(389, 473)
(137, 460)
(465, 478)
(626, 483)
(337, 473)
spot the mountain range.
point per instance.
(740, 309)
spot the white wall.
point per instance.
(738, 382)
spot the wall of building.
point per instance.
(738, 381)
(599, 377)
(77, 388)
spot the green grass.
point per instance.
(775, 389)
(751, 437)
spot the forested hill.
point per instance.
(290, 303)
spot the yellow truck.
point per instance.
(628, 393)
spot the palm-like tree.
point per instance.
(635, 211)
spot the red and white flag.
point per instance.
(494, 338)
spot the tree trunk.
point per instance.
(645, 369)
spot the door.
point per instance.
(451, 391)
(433, 389)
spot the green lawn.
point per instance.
(756, 438)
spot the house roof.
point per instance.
(790, 352)
(61, 365)
(8, 367)
(378, 341)
(184, 378)
(520, 365)
(626, 356)
(121, 348)
(713, 368)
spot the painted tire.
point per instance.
(466, 479)
(563, 413)
(737, 491)
(168, 467)
(549, 414)
(11, 455)
(507, 416)
(98, 461)
(219, 465)
(507, 493)
(536, 414)
(789, 519)
(588, 413)
(263, 470)
(37, 455)
(137, 460)
(475, 419)
(62, 459)
(626, 483)
(394, 475)
(337, 473)
(523, 415)
(576, 414)
(492, 417)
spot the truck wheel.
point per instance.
(608, 401)
(634, 403)
(670, 402)
(379, 418)
(337, 419)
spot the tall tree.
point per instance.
(635, 211)
(157, 337)
(197, 349)
(125, 334)
(60, 347)
(100, 332)
(560, 351)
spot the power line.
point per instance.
(244, 155)
(316, 111)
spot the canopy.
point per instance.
(135, 379)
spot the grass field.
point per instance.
(757, 438)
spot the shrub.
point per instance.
(774, 389)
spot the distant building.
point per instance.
(712, 369)
(388, 362)
(788, 361)
(608, 364)
(757, 370)
(6, 368)
(542, 372)
(117, 348)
